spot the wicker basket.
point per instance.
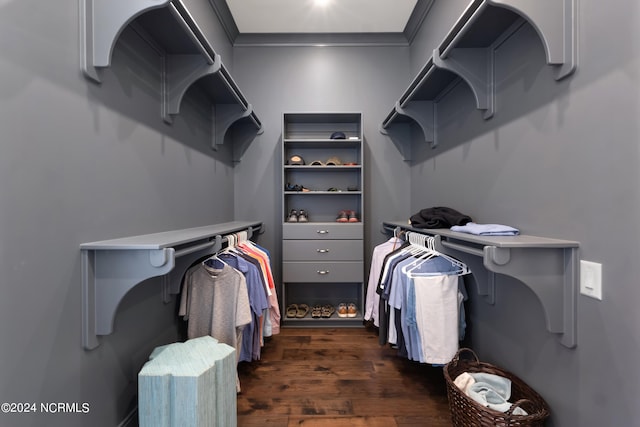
(466, 412)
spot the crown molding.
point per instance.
(226, 19)
(416, 19)
(320, 39)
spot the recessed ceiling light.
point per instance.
(322, 3)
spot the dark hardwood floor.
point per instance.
(338, 377)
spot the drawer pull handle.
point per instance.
(323, 272)
(323, 231)
(322, 251)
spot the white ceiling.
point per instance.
(321, 16)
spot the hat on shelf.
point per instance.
(334, 161)
(316, 163)
(295, 160)
(338, 135)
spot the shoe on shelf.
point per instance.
(302, 311)
(296, 187)
(316, 311)
(342, 217)
(292, 310)
(353, 217)
(293, 216)
(342, 310)
(327, 311)
(352, 310)
(302, 216)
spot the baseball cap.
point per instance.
(295, 160)
(338, 135)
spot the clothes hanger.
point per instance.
(428, 244)
(233, 246)
(231, 243)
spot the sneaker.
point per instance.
(342, 217)
(342, 310)
(353, 217)
(293, 216)
(302, 216)
(352, 310)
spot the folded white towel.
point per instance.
(492, 391)
(463, 381)
(486, 229)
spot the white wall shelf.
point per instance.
(111, 268)
(549, 267)
(189, 59)
(466, 55)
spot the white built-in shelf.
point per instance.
(466, 54)
(111, 268)
(549, 267)
(189, 59)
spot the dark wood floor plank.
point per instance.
(343, 422)
(338, 377)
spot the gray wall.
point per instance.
(278, 79)
(81, 162)
(559, 159)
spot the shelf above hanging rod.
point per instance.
(111, 268)
(549, 267)
(467, 55)
(188, 59)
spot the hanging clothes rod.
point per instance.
(111, 268)
(186, 21)
(549, 267)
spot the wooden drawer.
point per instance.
(318, 272)
(322, 230)
(322, 250)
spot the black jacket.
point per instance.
(438, 217)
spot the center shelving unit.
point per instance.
(322, 257)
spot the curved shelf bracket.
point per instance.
(476, 67)
(423, 113)
(110, 269)
(243, 134)
(561, 266)
(556, 24)
(400, 135)
(107, 276)
(224, 117)
(182, 71)
(548, 267)
(101, 23)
